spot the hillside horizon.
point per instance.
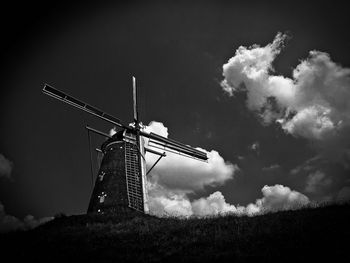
(298, 235)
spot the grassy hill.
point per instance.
(292, 236)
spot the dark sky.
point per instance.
(176, 51)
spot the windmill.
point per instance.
(121, 182)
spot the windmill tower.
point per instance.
(121, 183)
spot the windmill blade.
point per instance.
(172, 142)
(174, 145)
(57, 94)
(176, 151)
(181, 145)
(155, 152)
(134, 93)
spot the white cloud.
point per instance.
(158, 128)
(185, 175)
(251, 67)
(278, 197)
(10, 223)
(214, 204)
(176, 176)
(275, 198)
(112, 131)
(163, 202)
(5, 167)
(312, 122)
(314, 103)
(177, 205)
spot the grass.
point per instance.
(305, 234)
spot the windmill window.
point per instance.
(102, 197)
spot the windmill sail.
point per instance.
(134, 93)
(158, 141)
(165, 143)
(173, 149)
(57, 94)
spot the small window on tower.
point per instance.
(102, 197)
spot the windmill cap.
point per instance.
(117, 137)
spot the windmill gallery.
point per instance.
(121, 184)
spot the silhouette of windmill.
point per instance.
(121, 181)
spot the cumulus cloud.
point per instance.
(275, 198)
(11, 223)
(163, 202)
(212, 205)
(186, 175)
(313, 104)
(5, 167)
(176, 176)
(278, 197)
